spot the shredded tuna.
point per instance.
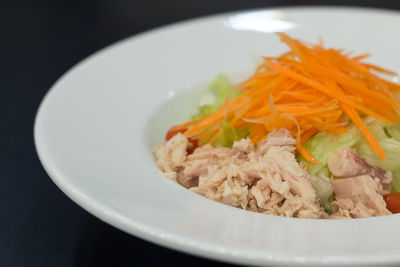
(280, 137)
(266, 179)
(358, 197)
(242, 148)
(171, 155)
(347, 163)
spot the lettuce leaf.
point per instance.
(324, 144)
(230, 134)
(396, 181)
(393, 131)
(323, 189)
(212, 99)
(214, 96)
(388, 136)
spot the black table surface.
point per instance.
(40, 40)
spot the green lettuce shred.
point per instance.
(229, 135)
(393, 131)
(389, 138)
(323, 189)
(213, 98)
(324, 144)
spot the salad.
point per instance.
(313, 133)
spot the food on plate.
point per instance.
(313, 133)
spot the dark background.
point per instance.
(39, 41)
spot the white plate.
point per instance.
(96, 126)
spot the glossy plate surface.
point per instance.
(96, 126)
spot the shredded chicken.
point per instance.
(266, 179)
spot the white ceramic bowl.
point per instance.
(95, 129)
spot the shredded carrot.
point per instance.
(306, 154)
(307, 90)
(355, 117)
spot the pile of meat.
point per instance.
(360, 186)
(268, 179)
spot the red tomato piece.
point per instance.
(392, 202)
(171, 133)
(193, 144)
